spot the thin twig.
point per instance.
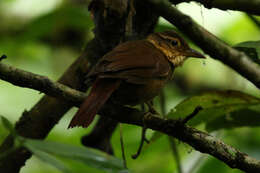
(196, 162)
(193, 114)
(122, 145)
(162, 102)
(143, 135)
(172, 142)
(176, 154)
(143, 139)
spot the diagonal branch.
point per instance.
(251, 7)
(209, 43)
(201, 141)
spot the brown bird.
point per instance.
(134, 72)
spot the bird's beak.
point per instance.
(193, 53)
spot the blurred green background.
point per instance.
(46, 36)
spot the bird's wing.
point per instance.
(134, 62)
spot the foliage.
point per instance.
(251, 48)
(220, 109)
(46, 44)
(47, 152)
(214, 104)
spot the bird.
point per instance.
(133, 73)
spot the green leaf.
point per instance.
(251, 48)
(88, 156)
(214, 104)
(45, 157)
(250, 44)
(251, 52)
(6, 153)
(8, 125)
(240, 118)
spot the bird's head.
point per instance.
(173, 47)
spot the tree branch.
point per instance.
(40, 83)
(199, 140)
(209, 43)
(46, 113)
(251, 7)
(38, 122)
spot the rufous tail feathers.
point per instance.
(99, 94)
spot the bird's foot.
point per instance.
(151, 108)
(143, 139)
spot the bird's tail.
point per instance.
(99, 94)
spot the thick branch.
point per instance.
(209, 43)
(251, 7)
(201, 141)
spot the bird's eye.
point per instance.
(174, 42)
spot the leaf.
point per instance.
(240, 118)
(45, 157)
(6, 153)
(214, 104)
(251, 52)
(251, 48)
(250, 44)
(88, 156)
(8, 125)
